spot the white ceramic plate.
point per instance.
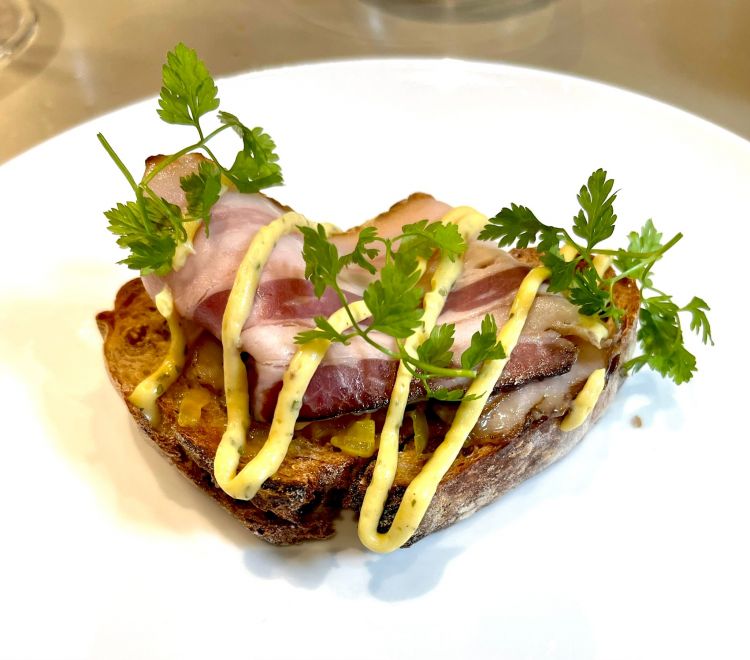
(633, 546)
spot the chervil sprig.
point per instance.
(151, 227)
(395, 299)
(660, 333)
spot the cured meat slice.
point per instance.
(353, 377)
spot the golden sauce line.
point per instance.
(469, 223)
(420, 492)
(584, 403)
(153, 386)
(146, 393)
(185, 249)
(245, 484)
(237, 311)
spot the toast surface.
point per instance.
(316, 480)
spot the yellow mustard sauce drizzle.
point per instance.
(185, 249)
(469, 223)
(420, 492)
(245, 484)
(237, 311)
(597, 330)
(584, 403)
(146, 393)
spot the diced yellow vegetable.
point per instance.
(191, 406)
(209, 365)
(358, 439)
(421, 431)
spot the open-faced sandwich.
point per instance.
(409, 369)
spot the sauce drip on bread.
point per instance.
(146, 393)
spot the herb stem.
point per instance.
(441, 371)
(402, 354)
(582, 251)
(147, 224)
(651, 257)
(198, 125)
(215, 159)
(121, 166)
(642, 255)
(165, 162)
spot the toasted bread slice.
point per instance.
(299, 503)
(316, 480)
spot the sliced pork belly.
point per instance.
(355, 377)
(507, 412)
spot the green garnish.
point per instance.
(151, 228)
(660, 333)
(395, 299)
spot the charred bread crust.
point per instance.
(302, 501)
(307, 493)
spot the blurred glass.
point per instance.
(485, 29)
(17, 27)
(456, 10)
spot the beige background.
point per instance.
(91, 56)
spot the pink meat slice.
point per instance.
(354, 377)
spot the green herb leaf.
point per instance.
(436, 349)
(422, 238)
(256, 165)
(561, 271)
(151, 228)
(202, 190)
(595, 221)
(151, 240)
(699, 321)
(452, 396)
(362, 255)
(519, 226)
(660, 336)
(484, 345)
(324, 330)
(647, 240)
(188, 91)
(395, 300)
(629, 261)
(444, 394)
(322, 264)
(586, 292)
